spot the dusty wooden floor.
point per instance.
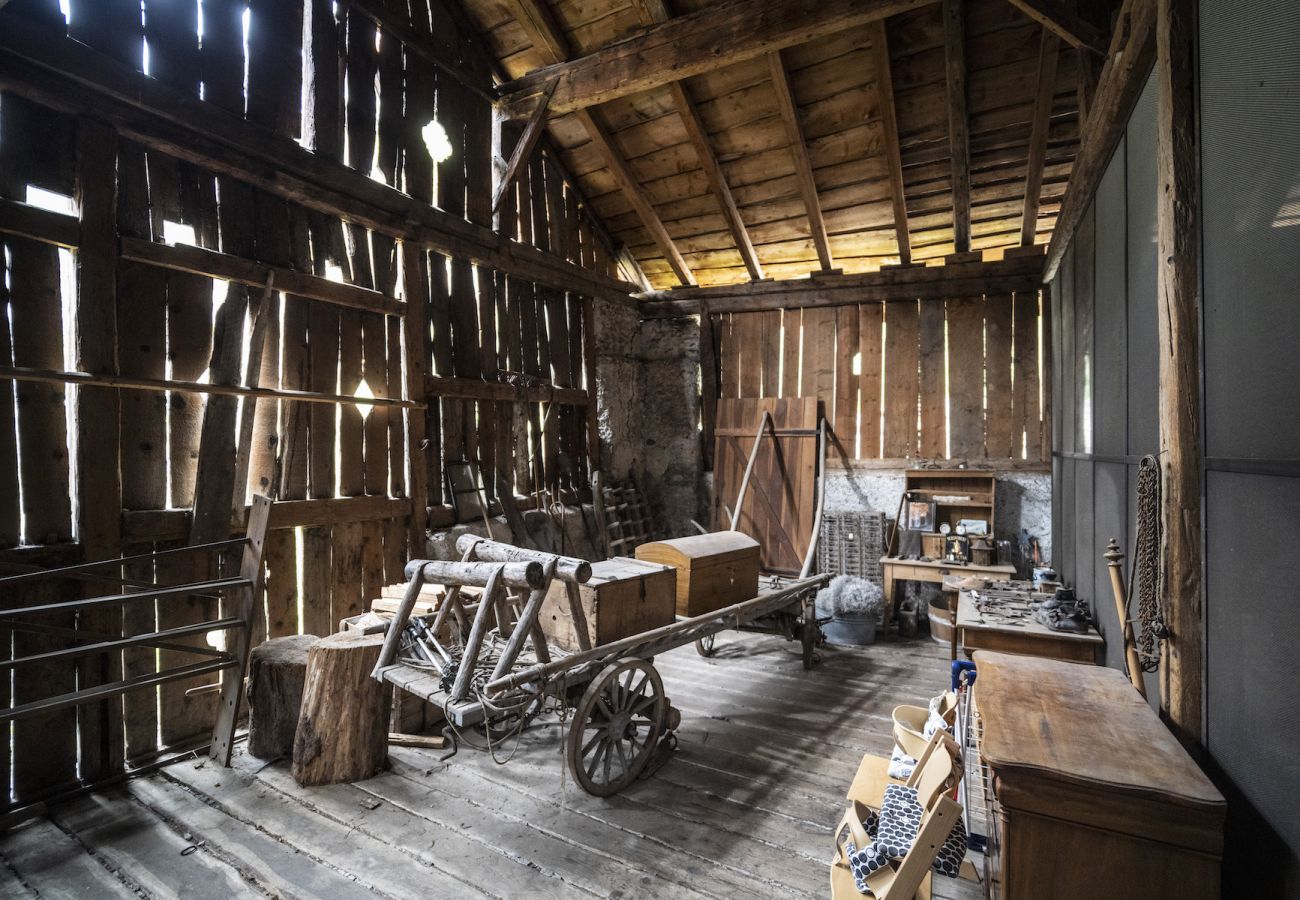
(744, 807)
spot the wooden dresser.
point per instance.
(1088, 795)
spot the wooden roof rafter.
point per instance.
(549, 38)
(688, 45)
(802, 162)
(1062, 20)
(1049, 54)
(654, 12)
(954, 44)
(893, 149)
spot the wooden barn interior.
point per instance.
(648, 448)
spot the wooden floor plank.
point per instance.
(126, 837)
(267, 864)
(51, 864)
(743, 807)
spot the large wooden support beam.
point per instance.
(803, 169)
(1048, 54)
(1177, 239)
(893, 149)
(654, 12)
(712, 38)
(60, 73)
(954, 46)
(1062, 20)
(903, 283)
(1132, 53)
(548, 38)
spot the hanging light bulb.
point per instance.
(436, 141)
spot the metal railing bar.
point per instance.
(83, 635)
(108, 646)
(68, 571)
(69, 605)
(99, 692)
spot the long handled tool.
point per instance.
(1114, 559)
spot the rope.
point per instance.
(1147, 576)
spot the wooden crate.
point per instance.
(624, 597)
(713, 570)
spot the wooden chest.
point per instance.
(713, 570)
(1089, 795)
(624, 597)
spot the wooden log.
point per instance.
(342, 733)
(277, 674)
(523, 574)
(1177, 240)
(567, 568)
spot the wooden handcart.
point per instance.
(498, 678)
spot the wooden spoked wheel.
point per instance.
(809, 634)
(704, 646)
(616, 726)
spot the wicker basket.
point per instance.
(851, 543)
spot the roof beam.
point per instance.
(968, 279)
(803, 169)
(1062, 20)
(711, 38)
(1132, 55)
(954, 46)
(893, 149)
(1048, 54)
(654, 12)
(549, 38)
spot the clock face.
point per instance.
(961, 529)
(945, 528)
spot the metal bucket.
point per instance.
(851, 630)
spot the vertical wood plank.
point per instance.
(966, 370)
(749, 365)
(111, 27)
(351, 459)
(372, 562)
(1025, 424)
(172, 32)
(818, 368)
(934, 433)
(10, 509)
(769, 350)
(901, 378)
(34, 310)
(323, 353)
(997, 368)
(295, 375)
(189, 344)
(846, 383)
(142, 302)
(317, 581)
(275, 40)
(415, 330)
(375, 371)
(362, 104)
(281, 556)
(791, 341)
(322, 109)
(139, 708)
(221, 55)
(871, 355)
(347, 582)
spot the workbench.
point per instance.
(1024, 636)
(896, 569)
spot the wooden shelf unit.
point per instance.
(978, 487)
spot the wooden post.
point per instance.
(708, 385)
(1177, 235)
(343, 727)
(277, 674)
(99, 483)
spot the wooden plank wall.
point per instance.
(927, 379)
(356, 484)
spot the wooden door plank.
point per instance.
(845, 423)
(791, 341)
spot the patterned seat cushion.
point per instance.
(893, 833)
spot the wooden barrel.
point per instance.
(940, 620)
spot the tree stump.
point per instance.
(343, 727)
(277, 670)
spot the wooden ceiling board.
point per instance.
(839, 112)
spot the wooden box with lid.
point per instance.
(713, 570)
(624, 597)
(1088, 794)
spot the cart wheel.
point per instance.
(616, 726)
(704, 646)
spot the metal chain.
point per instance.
(1147, 575)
